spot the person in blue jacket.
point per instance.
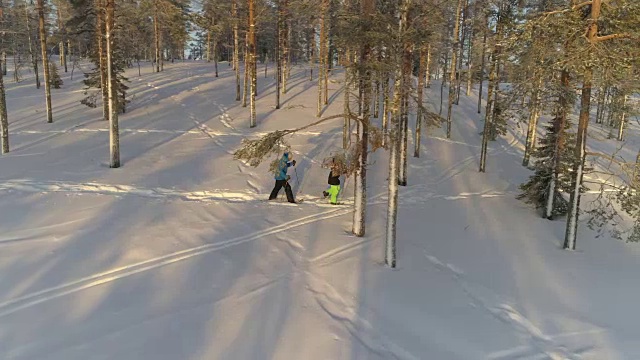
(282, 179)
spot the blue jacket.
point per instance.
(283, 165)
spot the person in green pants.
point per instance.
(334, 186)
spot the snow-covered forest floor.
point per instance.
(176, 255)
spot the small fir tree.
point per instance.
(536, 190)
(56, 81)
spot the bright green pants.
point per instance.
(333, 191)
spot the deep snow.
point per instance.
(176, 255)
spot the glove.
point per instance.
(293, 162)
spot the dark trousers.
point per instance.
(287, 190)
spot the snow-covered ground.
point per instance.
(176, 255)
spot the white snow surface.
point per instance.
(176, 255)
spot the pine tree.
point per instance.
(552, 164)
(56, 81)
(45, 58)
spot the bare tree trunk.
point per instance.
(283, 37)
(427, 75)
(321, 54)
(394, 166)
(622, 118)
(114, 138)
(470, 58)
(602, 91)
(482, 63)
(45, 60)
(418, 132)
(252, 62)
(4, 119)
(346, 127)
(236, 48)
(325, 44)
(215, 54)
(360, 198)
(452, 75)
(247, 72)
(312, 52)
(61, 29)
(404, 128)
(578, 168)
(156, 31)
(443, 81)
(486, 133)
(581, 141)
(385, 107)
(100, 33)
(559, 125)
(376, 93)
(463, 38)
(33, 57)
(534, 115)
(278, 56)
(208, 45)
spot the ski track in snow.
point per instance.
(334, 305)
(210, 132)
(539, 343)
(38, 297)
(214, 195)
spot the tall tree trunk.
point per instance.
(452, 75)
(470, 56)
(45, 59)
(102, 58)
(312, 51)
(443, 81)
(236, 47)
(32, 56)
(4, 119)
(622, 118)
(114, 137)
(394, 144)
(600, 107)
(376, 93)
(486, 132)
(278, 56)
(559, 125)
(61, 29)
(284, 41)
(407, 69)
(208, 45)
(385, 107)
(581, 141)
(321, 54)
(327, 59)
(360, 198)
(215, 54)
(252, 62)
(418, 132)
(463, 38)
(156, 31)
(427, 75)
(578, 168)
(346, 127)
(404, 128)
(534, 115)
(247, 70)
(482, 62)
